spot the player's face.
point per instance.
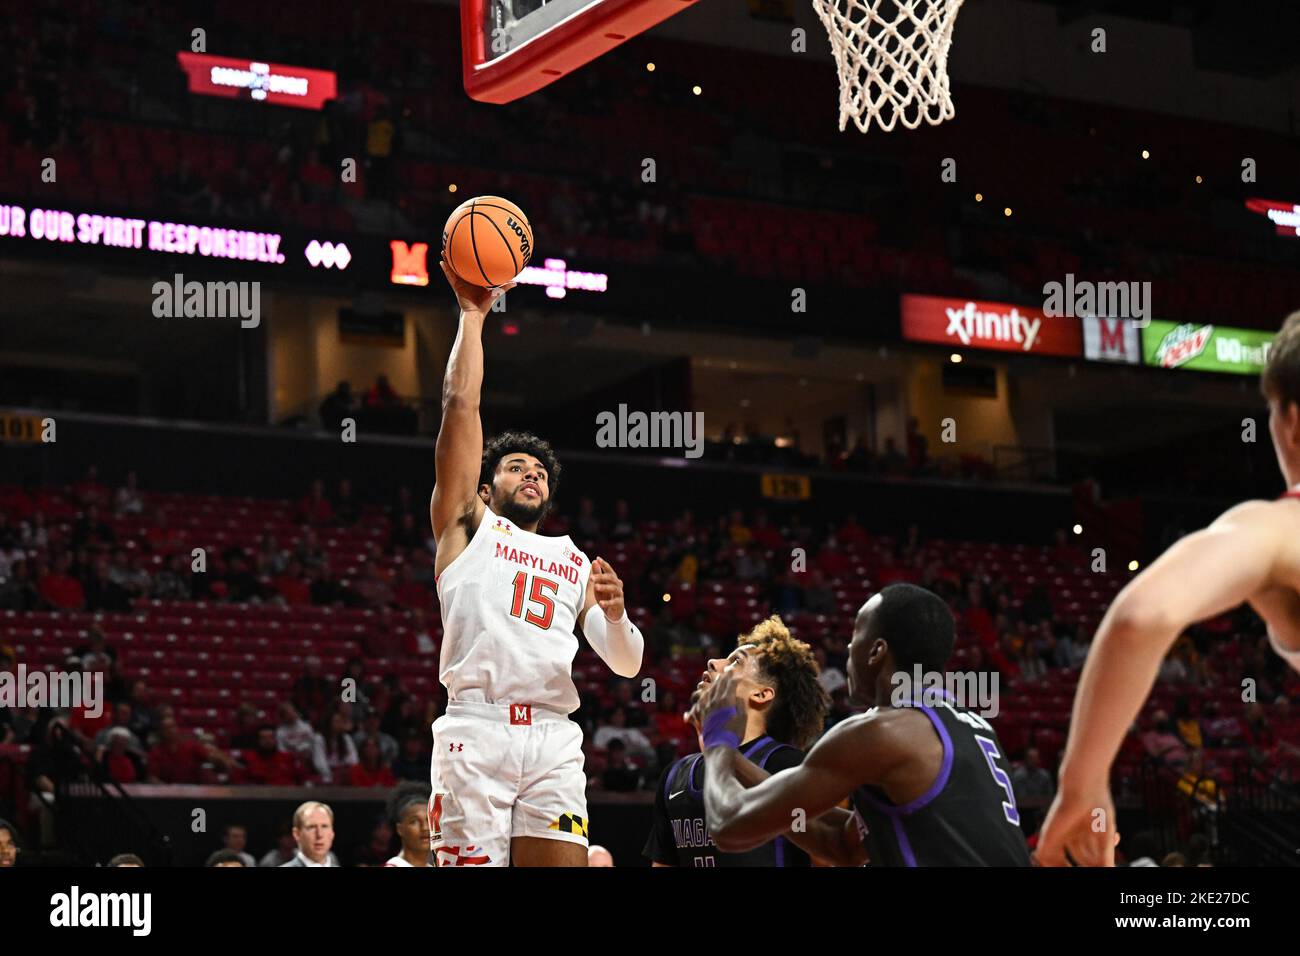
(8, 849)
(861, 670)
(742, 662)
(413, 828)
(521, 489)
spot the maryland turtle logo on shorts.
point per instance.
(570, 823)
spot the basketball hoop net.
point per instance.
(892, 57)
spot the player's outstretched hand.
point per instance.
(473, 298)
(722, 693)
(1079, 831)
(608, 587)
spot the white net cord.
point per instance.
(892, 57)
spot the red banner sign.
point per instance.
(265, 82)
(971, 324)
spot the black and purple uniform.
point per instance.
(967, 817)
(679, 835)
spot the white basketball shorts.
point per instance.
(501, 771)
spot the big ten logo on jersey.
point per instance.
(573, 556)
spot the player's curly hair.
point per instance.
(1281, 376)
(508, 443)
(798, 711)
(404, 794)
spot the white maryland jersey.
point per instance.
(510, 601)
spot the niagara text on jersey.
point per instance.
(510, 602)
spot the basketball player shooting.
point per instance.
(507, 770)
(929, 783)
(1250, 554)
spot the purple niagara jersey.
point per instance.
(967, 817)
(679, 835)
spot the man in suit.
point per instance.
(313, 830)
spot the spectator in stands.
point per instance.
(336, 406)
(122, 719)
(347, 510)
(313, 831)
(1032, 783)
(226, 858)
(668, 720)
(181, 759)
(284, 850)
(102, 592)
(125, 860)
(128, 500)
(586, 525)
(598, 856)
(1162, 744)
(402, 717)
(18, 592)
(294, 735)
(272, 560)
(381, 143)
(620, 774)
(172, 583)
(918, 449)
(372, 586)
(242, 583)
(340, 752)
(325, 591)
(144, 717)
(266, 764)
(828, 675)
(407, 533)
(1071, 652)
(1173, 860)
(370, 730)
(162, 536)
(370, 770)
(625, 700)
(748, 567)
(817, 595)
(409, 593)
(1261, 741)
(617, 729)
(89, 491)
(247, 724)
(8, 844)
(1198, 785)
(119, 760)
(312, 693)
(621, 529)
(292, 587)
(315, 509)
(59, 590)
(892, 463)
(234, 840)
(92, 530)
(413, 761)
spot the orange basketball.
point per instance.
(487, 240)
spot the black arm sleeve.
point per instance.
(661, 847)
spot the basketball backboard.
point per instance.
(514, 47)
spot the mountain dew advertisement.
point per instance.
(1205, 348)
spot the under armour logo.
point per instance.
(455, 748)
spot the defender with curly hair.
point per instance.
(785, 710)
(507, 774)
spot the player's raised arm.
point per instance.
(854, 752)
(460, 439)
(1201, 576)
